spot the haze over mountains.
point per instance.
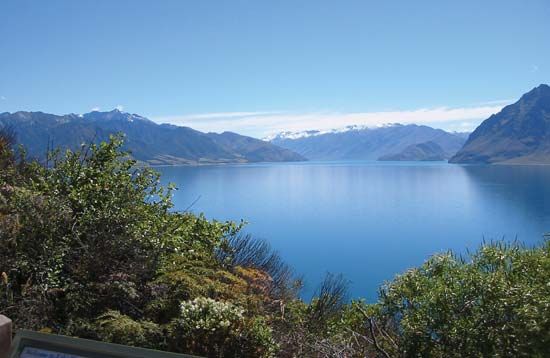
(364, 143)
(519, 134)
(156, 144)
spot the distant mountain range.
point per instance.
(518, 134)
(156, 144)
(386, 143)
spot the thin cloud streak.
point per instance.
(495, 102)
(261, 124)
(222, 115)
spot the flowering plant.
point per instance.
(207, 314)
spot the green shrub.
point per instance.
(117, 328)
(497, 303)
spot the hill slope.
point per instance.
(427, 151)
(149, 142)
(518, 134)
(366, 143)
(252, 149)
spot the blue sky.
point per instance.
(257, 67)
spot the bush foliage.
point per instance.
(90, 246)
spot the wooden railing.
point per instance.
(36, 344)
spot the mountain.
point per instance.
(356, 142)
(518, 134)
(252, 149)
(427, 151)
(156, 144)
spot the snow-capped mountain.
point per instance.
(312, 133)
(366, 143)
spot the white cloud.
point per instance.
(495, 102)
(120, 107)
(261, 124)
(96, 109)
(220, 115)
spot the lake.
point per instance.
(369, 220)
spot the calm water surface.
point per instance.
(369, 220)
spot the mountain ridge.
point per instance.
(518, 134)
(149, 142)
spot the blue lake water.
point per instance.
(369, 220)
